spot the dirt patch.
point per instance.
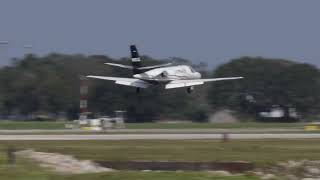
(62, 163)
(291, 170)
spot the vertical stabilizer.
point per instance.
(135, 59)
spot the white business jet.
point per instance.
(166, 75)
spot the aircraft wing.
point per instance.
(124, 81)
(195, 82)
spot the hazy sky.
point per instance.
(213, 31)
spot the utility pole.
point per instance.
(83, 98)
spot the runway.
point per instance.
(158, 136)
(154, 131)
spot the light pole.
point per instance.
(6, 47)
(4, 42)
(4, 57)
(28, 49)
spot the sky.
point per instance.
(212, 31)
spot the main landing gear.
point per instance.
(137, 90)
(190, 89)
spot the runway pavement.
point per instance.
(159, 136)
(155, 131)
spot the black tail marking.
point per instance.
(135, 59)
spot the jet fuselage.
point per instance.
(181, 72)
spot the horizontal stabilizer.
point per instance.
(139, 68)
(155, 66)
(119, 65)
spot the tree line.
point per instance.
(50, 85)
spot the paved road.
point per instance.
(157, 136)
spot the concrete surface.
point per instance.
(158, 136)
(157, 131)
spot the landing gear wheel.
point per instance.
(137, 90)
(190, 89)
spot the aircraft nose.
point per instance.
(140, 76)
(137, 76)
(198, 75)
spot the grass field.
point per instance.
(211, 125)
(262, 152)
(32, 125)
(61, 125)
(27, 170)
(132, 175)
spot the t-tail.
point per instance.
(136, 66)
(135, 59)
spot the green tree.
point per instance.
(50, 84)
(270, 81)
